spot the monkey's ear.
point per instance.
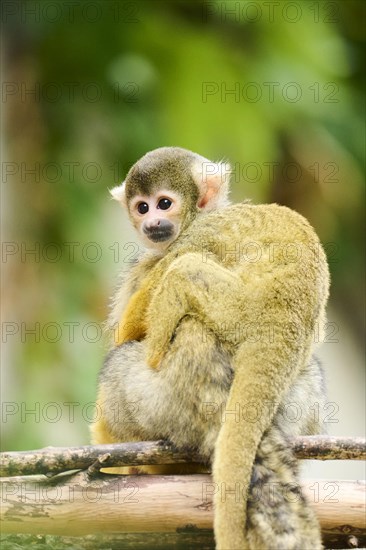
(212, 179)
(119, 194)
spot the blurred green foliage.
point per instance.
(275, 88)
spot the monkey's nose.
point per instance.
(152, 224)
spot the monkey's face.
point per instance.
(157, 217)
(167, 188)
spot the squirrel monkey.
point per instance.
(215, 336)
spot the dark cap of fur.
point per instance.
(166, 167)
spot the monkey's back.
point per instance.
(259, 241)
(253, 233)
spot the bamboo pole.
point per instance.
(79, 504)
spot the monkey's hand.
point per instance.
(132, 325)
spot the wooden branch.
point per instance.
(169, 505)
(53, 460)
(329, 447)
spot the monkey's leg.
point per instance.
(180, 403)
(115, 421)
(140, 403)
(116, 411)
(206, 290)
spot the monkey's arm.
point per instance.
(205, 290)
(132, 325)
(127, 318)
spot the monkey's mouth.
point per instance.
(159, 236)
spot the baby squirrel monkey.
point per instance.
(215, 335)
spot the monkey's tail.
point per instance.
(278, 515)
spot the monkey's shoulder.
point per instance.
(258, 212)
(132, 274)
(269, 221)
(140, 264)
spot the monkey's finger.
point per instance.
(154, 359)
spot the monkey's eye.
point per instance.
(164, 204)
(142, 208)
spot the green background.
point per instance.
(274, 88)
